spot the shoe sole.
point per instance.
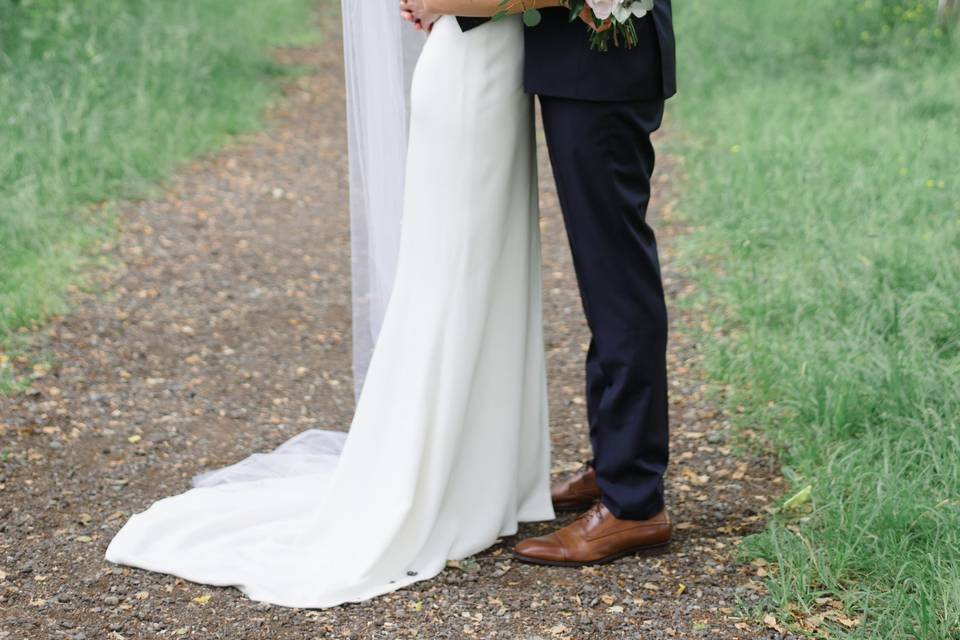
(645, 551)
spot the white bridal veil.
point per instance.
(380, 51)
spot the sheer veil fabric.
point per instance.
(448, 448)
(380, 51)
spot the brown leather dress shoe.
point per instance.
(597, 537)
(579, 492)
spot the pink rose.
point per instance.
(602, 8)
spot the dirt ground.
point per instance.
(225, 329)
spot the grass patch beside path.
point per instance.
(98, 100)
(822, 146)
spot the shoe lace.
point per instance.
(596, 511)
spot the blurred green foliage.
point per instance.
(881, 22)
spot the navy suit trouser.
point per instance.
(603, 161)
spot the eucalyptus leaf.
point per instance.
(532, 17)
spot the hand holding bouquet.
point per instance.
(609, 20)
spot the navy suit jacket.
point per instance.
(558, 61)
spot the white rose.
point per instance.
(603, 8)
(623, 9)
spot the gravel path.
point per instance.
(225, 330)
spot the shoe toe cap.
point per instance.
(544, 549)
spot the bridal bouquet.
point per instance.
(612, 19)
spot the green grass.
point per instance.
(100, 99)
(821, 147)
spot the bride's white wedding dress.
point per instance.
(448, 449)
